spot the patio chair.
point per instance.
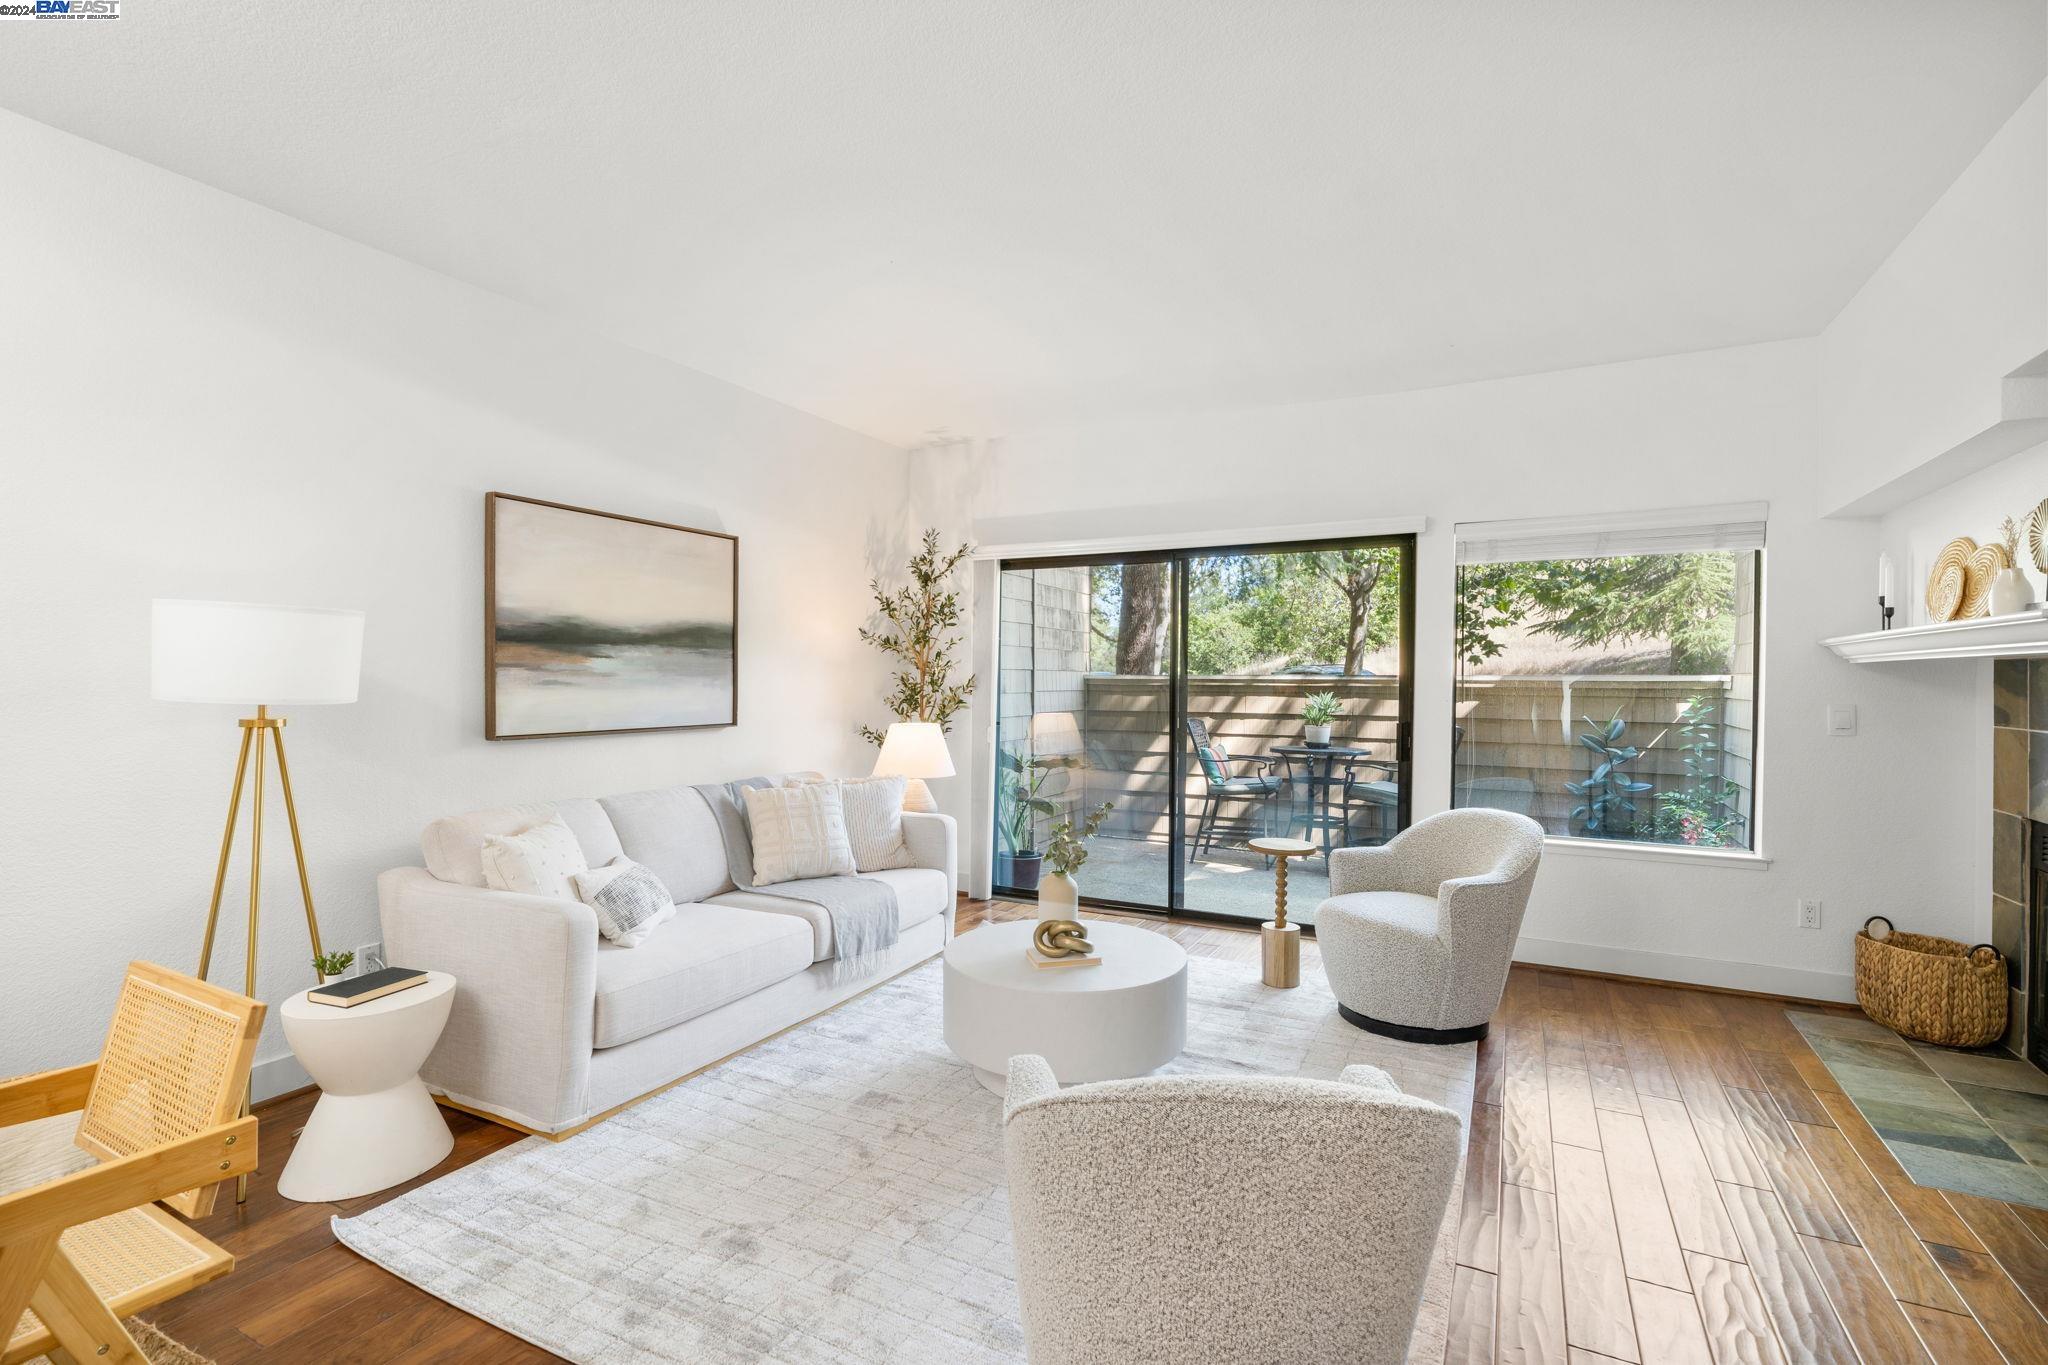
(82, 1248)
(1220, 785)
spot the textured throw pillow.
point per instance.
(798, 832)
(628, 898)
(874, 822)
(538, 861)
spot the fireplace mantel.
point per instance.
(2022, 635)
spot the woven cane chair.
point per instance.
(80, 1251)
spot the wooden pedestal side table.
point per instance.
(1279, 941)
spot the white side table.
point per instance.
(1123, 1018)
(375, 1124)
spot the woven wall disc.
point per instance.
(1944, 593)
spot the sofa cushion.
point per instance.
(707, 956)
(672, 831)
(454, 845)
(920, 894)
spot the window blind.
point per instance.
(1691, 530)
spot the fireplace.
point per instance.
(2031, 963)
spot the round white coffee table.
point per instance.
(1125, 1017)
(375, 1124)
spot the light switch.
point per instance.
(1841, 720)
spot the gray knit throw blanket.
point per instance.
(862, 910)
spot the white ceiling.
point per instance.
(908, 215)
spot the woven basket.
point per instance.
(1933, 989)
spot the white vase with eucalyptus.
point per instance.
(1059, 895)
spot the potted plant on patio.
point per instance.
(1318, 709)
(1022, 805)
(1059, 896)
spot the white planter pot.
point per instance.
(1316, 734)
(2010, 592)
(1058, 897)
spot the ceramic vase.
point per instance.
(1317, 735)
(1058, 897)
(2010, 592)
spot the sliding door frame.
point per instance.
(1179, 563)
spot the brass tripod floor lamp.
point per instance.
(244, 654)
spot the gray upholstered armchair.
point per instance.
(1417, 935)
(1223, 1219)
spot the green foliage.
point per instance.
(333, 964)
(1687, 599)
(1320, 708)
(1705, 811)
(1022, 804)
(917, 627)
(1606, 809)
(1068, 848)
(1258, 612)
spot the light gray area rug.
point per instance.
(835, 1194)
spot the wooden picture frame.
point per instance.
(601, 623)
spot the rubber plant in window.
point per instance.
(1023, 803)
(1059, 895)
(1607, 808)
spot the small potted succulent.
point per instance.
(333, 965)
(1059, 897)
(1318, 709)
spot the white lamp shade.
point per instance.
(1055, 735)
(249, 654)
(914, 748)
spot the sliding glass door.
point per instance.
(1191, 690)
(1085, 716)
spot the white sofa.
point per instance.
(552, 1027)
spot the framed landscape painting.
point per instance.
(598, 623)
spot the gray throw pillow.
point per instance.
(628, 898)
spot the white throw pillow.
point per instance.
(874, 822)
(537, 861)
(798, 832)
(628, 898)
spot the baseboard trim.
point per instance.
(1757, 978)
(277, 1077)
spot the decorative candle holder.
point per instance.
(1884, 615)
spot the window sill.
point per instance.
(1657, 853)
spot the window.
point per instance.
(1607, 675)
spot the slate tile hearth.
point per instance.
(1973, 1122)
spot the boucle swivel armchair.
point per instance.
(1417, 935)
(1223, 1219)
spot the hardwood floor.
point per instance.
(1658, 1174)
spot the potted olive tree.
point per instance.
(1318, 709)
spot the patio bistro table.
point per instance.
(1323, 784)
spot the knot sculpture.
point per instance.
(1060, 938)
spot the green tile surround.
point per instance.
(1974, 1122)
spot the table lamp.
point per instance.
(915, 749)
(241, 653)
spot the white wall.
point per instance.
(1875, 823)
(202, 398)
(1913, 371)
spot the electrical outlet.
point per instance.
(1809, 914)
(369, 958)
